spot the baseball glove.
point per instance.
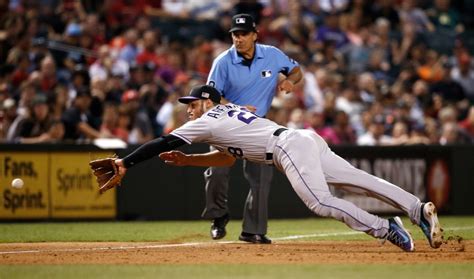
(106, 172)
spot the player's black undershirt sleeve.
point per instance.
(151, 149)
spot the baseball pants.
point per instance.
(255, 215)
(311, 168)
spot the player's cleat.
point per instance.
(398, 235)
(255, 238)
(218, 227)
(430, 226)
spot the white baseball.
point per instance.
(17, 183)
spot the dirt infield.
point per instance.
(357, 252)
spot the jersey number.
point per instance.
(235, 151)
(244, 116)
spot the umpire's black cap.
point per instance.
(243, 22)
(202, 92)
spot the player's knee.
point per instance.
(319, 205)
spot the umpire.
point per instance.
(247, 74)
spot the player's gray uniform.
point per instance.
(306, 160)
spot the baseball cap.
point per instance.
(130, 95)
(8, 103)
(202, 92)
(243, 22)
(40, 99)
(73, 29)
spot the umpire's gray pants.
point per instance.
(255, 217)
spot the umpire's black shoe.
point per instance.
(255, 238)
(218, 227)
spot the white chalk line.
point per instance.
(158, 246)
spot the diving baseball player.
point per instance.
(302, 155)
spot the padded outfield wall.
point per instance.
(59, 185)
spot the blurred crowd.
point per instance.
(384, 72)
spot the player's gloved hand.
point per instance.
(107, 173)
(175, 158)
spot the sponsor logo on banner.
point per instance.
(73, 188)
(407, 173)
(30, 201)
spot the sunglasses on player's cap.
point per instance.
(202, 92)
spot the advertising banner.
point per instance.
(74, 193)
(420, 170)
(28, 199)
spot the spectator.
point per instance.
(109, 119)
(450, 91)
(124, 124)
(8, 115)
(46, 77)
(418, 135)
(463, 74)
(443, 17)
(77, 120)
(130, 51)
(330, 32)
(344, 133)
(296, 119)
(107, 65)
(411, 14)
(467, 124)
(400, 134)
(27, 93)
(141, 128)
(432, 68)
(37, 127)
(390, 53)
(450, 134)
(386, 9)
(375, 135)
(178, 118)
(350, 102)
(315, 86)
(60, 101)
(148, 53)
(368, 87)
(333, 6)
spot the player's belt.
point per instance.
(269, 156)
(279, 131)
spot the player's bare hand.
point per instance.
(175, 158)
(286, 86)
(251, 108)
(122, 168)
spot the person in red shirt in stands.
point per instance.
(149, 54)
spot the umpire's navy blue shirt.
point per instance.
(253, 84)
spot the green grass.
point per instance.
(190, 231)
(237, 271)
(197, 230)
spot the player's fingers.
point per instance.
(164, 155)
(172, 163)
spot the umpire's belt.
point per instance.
(269, 155)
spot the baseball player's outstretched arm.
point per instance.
(152, 148)
(211, 159)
